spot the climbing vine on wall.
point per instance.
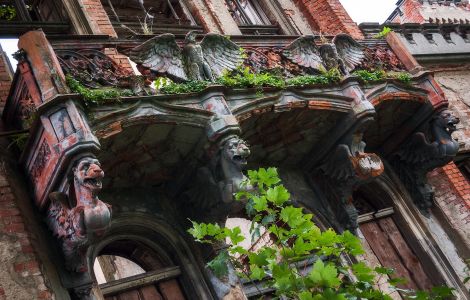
(283, 265)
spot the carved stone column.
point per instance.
(429, 148)
(346, 168)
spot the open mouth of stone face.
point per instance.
(239, 159)
(93, 182)
(451, 126)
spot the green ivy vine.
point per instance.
(282, 264)
(97, 96)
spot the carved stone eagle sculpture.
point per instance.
(195, 61)
(343, 53)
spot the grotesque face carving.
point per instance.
(447, 120)
(236, 150)
(88, 174)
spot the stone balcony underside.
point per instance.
(191, 147)
(152, 140)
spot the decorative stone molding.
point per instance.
(78, 217)
(427, 149)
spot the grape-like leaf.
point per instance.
(219, 265)
(278, 195)
(324, 275)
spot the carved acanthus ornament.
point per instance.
(79, 217)
(345, 169)
(426, 150)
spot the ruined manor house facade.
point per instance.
(96, 192)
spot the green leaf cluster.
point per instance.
(378, 75)
(326, 77)
(184, 88)
(301, 262)
(386, 30)
(97, 96)
(7, 12)
(242, 77)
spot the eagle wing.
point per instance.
(304, 52)
(57, 214)
(339, 165)
(349, 50)
(161, 54)
(220, 53)
(418, 150)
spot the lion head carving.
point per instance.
(88, 174)
(236, 151)
(446, 120)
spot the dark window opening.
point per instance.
(32, 11)
(250, 17)
(134, 17)
(128, 269)
(19, 16)
(464, 167)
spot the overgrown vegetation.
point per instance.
(97, 96)
(302, 262)
(386, 30)
(7, 12)
(373, 76)
(242, 77)
(327, 77)
(183, 88)
(19, 140)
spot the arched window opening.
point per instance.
(385, 241)
(108, 268)
(250, 17)
(149, 16)
(127, 269)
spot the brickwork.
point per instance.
(411, 13)
(5, 79)
(120, 59)
(20, 273)
(329, 17)
(452, 195)
(100, 20)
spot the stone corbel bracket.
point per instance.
(77, 217)
(345, 169)
(432, 146)
(222, 176)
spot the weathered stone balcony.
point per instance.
(186, 146)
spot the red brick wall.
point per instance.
(330, 17)
(411, 12)
(452, 195)
(5, 79)
(98, 16)
(20, 272)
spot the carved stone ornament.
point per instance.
(346, 168)
(343, 53)
(195, 61)
(79, 217)
(426, 150)
(218, 181)
(94, 69)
